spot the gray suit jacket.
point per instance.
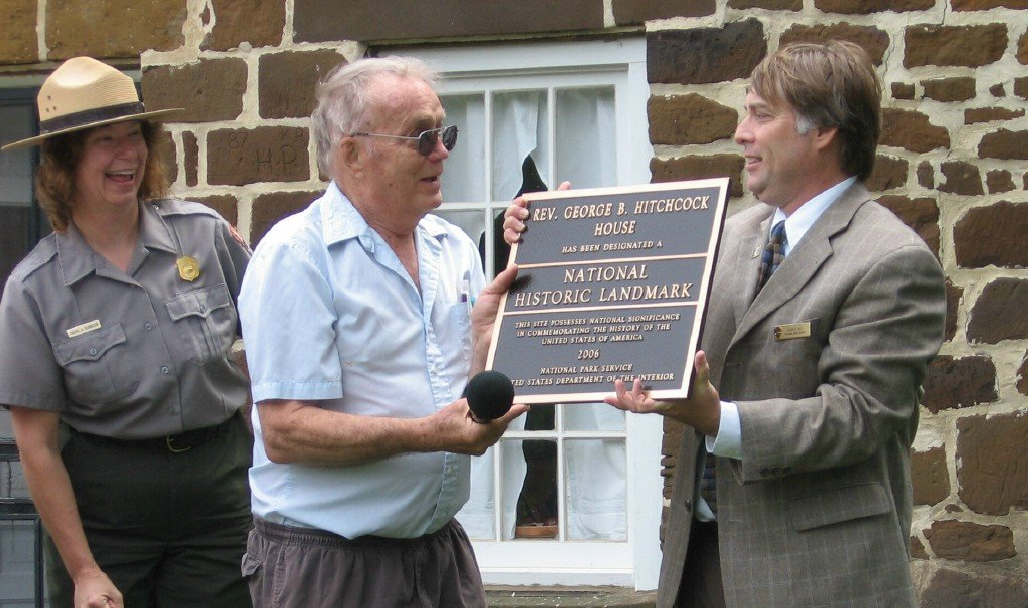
(818, 511)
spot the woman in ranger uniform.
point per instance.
(116, 364)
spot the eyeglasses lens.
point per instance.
(428, 139)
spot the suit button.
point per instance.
(688, 506)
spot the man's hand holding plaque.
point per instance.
(702, 410)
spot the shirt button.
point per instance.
(148, 326)
(93, 351)
(164, 369)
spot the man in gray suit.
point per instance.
(805, 400)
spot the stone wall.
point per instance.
(952, 164)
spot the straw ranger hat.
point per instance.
(84, 93)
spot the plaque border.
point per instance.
(694, 336)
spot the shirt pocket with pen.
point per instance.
(207, 320)
(90, 364)
(456, 329)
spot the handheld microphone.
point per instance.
(490, 395)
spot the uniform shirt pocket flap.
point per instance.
(199, 303)
(838, 505)
(90, 346)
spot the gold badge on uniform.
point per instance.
(188, 267)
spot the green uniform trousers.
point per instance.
(167, 519)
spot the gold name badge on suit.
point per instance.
(188, 267)
(792, 331)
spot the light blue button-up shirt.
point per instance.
(330, 314)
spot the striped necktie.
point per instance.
(774, 251)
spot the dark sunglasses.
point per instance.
(427, 139)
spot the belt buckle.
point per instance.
(169, 440)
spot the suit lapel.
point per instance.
(733, 288)
(751, 246)
(802, 263)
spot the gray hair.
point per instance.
(343, 104)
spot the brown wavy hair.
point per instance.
(831, 84)
(61, 155)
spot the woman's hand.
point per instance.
(37, 434)
(94, 589)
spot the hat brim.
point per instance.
(33, 141)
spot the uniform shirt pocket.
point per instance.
(208, 322)
(88, 361)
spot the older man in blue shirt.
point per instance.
(361, 334)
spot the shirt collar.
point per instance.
(75, 256)
(797, 224)
(153, 232)
(340, 221)
(78, 259)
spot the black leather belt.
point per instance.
(176, 443)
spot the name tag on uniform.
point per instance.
(85, 328)
(792, 331)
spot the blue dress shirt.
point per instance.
(330, 314)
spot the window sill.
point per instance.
(503, 596)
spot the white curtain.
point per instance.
(478, 515)
(595, 474)
(463, 177)
(586, 155)
(518, 133)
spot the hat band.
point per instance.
(85, 117)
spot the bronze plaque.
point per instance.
(612, 283)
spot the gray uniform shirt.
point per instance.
(135, 354)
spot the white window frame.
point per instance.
(622, 63)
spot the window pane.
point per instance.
(478, 514)
(585, 137)
(17, 552)
(537, 507)
(472, 222)
(16, 122)
(464, 172)
(513, 474)
(593, 417)
(520, 129)
(595, 477)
